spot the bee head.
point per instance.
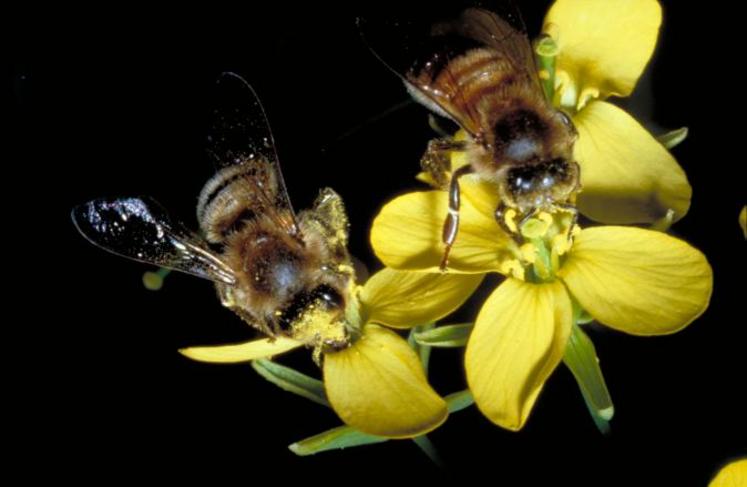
(541, 185)
(317, 316)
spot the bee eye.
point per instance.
(328, 296)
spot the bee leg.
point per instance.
(436, 161)
(451, 224)
(526, 218)
(574, 216)
(435, 124)
(500, 217)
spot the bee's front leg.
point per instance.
(574, 216)
(436, 161)
(451, 225)
(500, 218)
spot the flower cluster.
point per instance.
(557, 275)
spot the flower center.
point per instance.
(547, 239)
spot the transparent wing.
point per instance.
(140, 229)
(420, 45)
(240, 135)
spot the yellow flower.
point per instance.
(599, 49)
(732, 475)
(377, 385)
(603, 47)
(633, 280)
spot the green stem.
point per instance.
(291, 380)
(447, 336)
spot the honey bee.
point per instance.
(280, 272)
(478, 69)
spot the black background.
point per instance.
(110, 102)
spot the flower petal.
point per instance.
(626, 174)
(406, 234)
(403, 299)
(519, 338)
(604, 45)
(732, 475)
(241, 352)
(638, 281)
(378, 386)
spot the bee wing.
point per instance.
(240, 135)
(140, 229)
(420, 46)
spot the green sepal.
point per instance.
(423, 351)
(334, 439)
(456, 401)
(447, 336)
(580, 315)
(291, 380)
(673, 138)
(581, 358)
(427, 447)
(664, 223)
(348, 437)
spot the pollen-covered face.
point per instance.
(541, 185)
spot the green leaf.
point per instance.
(334, 439)
(291, 380)
(424, 352)
(457, 401)
(673, 138)
(581, 359)
(445, 336)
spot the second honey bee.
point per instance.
(284, 274)
(478, 69)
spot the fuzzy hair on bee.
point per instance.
(285, 274)
(477, 68)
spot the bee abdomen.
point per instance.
(474, 75)
(233, 196)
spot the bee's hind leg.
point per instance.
(436, 160)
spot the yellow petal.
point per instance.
(638, 281)
(519, 338)
(604, 45)
(403, 299)
(406, 234)
(732, 475)
(743, 220)
(626, 174)
(378, 386)
(241, 352)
